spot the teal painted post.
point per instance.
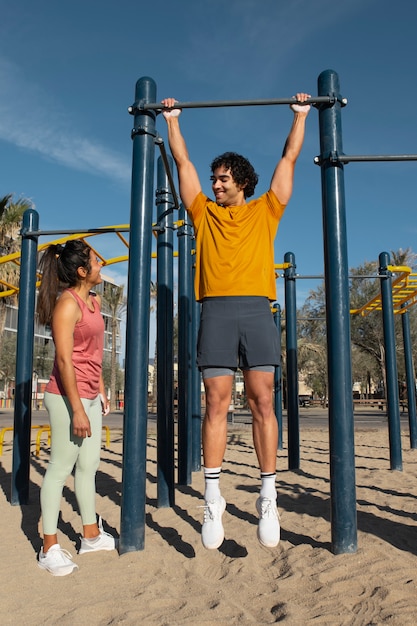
(184, 351)
(132, 526)
(24, 360)
(391, 391)
(341, 426)
(165, 339)
(278, 378)
(410, 379)
(293, 417)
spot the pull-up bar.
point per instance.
(377, 157)
(91, 231)
(146, 106)
(351, 158)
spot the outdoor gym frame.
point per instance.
(341, 425)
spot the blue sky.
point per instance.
(68, 74)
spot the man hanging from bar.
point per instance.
(235, 282)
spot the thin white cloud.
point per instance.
(31, 121)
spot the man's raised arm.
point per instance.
(283, 176)
(189, 182)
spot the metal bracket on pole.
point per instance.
(185, 229)
(332, 157)
(160, 142)
(141, 130)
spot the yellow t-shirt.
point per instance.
(235, 247)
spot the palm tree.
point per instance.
(114, 304)
(404, 257)
(154, 291)
(11, 213)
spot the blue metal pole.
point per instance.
(164, 335)
(195, 386)
(410, 379)
(391, 391)
(341, 425)
(278, 378)
(184, 351)
(24, 360)
(292, 363)
(132, 527)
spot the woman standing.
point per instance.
(74, 397)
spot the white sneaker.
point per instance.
(56, 561)
(104, 541)
(268, 527)
(212, 531)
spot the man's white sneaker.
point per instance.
(104, 541)
(268, 527)
(212, 531)
(56, 561)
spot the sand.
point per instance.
(175, 581)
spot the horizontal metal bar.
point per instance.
(346, 158)
(309, 277)
(321, 276)
(144, 106)
(311, 319)
(369, 276)
(38, 233)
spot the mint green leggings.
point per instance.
(68, 450)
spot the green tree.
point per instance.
(312, 362)
(312, 342)
(367, 338)
(7, 359)
(11, 213)
(404, 257)
(367, 330)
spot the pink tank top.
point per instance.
(87, 356)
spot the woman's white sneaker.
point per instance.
(104, 541)
(56, 561)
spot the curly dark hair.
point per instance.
(241, 169)
(59, 265)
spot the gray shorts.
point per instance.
(237, 331)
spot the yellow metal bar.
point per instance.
(10, 428)
(116, 259)
(6, 284)
(47, 429)
(42, 429)
(282, 266)
(2, 433)
(11, 289)
(9, 292)
(120, 236)
(404, 293)
(10, 258)
(107, 429)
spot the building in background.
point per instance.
(43, 352)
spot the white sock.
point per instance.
(268, 489)
(212, 483)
